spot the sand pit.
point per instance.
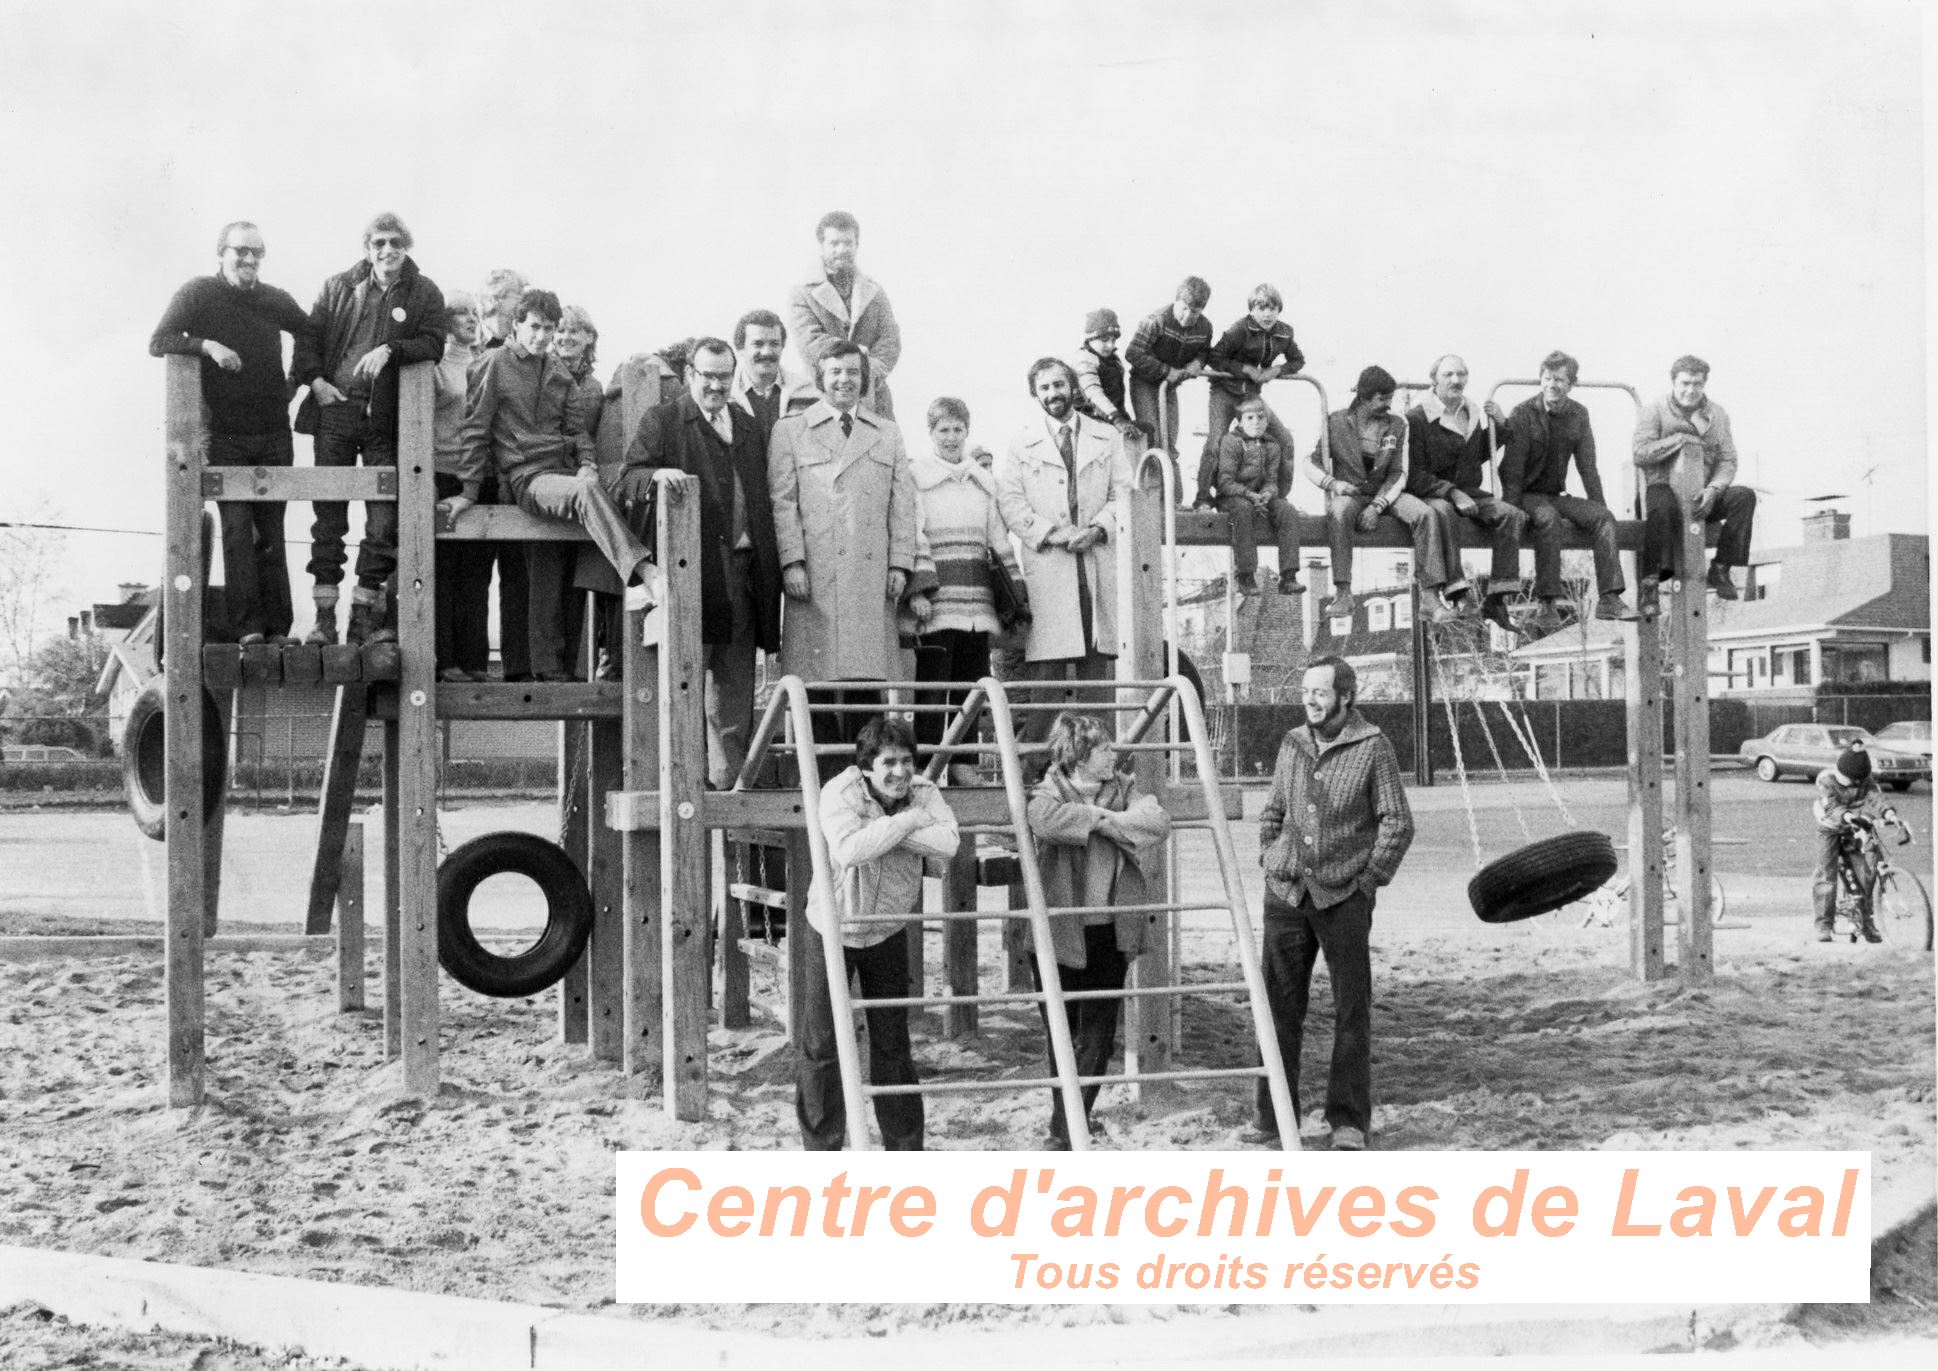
(305, 1163)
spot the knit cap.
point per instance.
(1100, 322)
(1854, 762)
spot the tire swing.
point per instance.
(568, 914)
(144, 759)
(1544, 874)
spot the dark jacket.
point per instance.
(255, 399)
(1246, 344)
(1379, 475)
(678, 437)
(1440, 461)
(418, 336)
(1539, 445)
(1248, 466)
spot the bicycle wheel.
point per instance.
(1904, 910)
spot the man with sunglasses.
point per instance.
(367, 324)
(235, 323)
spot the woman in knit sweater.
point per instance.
(960, 527)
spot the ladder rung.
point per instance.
(1209, 1073)
(754, 894)
(1186, 907)
(940, 915)
(1079, 705)
(913, 1001)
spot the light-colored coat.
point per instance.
(1661, 429)
(877, 859)
(1083, 869)
(817, 317)
(847, 508)
(1033, 492)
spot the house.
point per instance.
(1832, 609)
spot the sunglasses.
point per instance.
(388, 243)
(248, 254)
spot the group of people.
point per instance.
(822, 540)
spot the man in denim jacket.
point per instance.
(1332, 833)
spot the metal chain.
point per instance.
(1460, 761)
(1534, 754)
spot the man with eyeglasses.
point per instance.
(235, 323)
(703, 435)
(367, 324)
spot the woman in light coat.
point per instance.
(1096, 839)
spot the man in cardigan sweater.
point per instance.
(1332, 833)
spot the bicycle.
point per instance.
(1900, 904)
(1603, 906)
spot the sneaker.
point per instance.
(1494, 610)
(1824, 934)
(1613, 606)
(366, 623)
(1248, 585)
(1257, 1135)
(324, 634)
(1547, 619)
(457, 675)
(1290, 584)
(1340, 606)
(1719, 581)
(1346, 1138)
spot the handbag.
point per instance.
(1011, 599)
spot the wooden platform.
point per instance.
(226, 666)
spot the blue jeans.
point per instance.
(343, 433)
(1295, 936)
(882, 973)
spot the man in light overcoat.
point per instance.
(845, 520)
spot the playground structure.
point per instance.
(640, 818)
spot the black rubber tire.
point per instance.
(144, 759)
(568, 915)
(1542, 876)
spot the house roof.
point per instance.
(1881, 582)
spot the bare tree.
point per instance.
(30, 588)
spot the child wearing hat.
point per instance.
(1100, 374)
(1844, 789)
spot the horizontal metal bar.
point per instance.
(1036, 1082)
(1129, 992)
(1079, 705)
(934, 916)
(638, 810)
(911, 1001)
(1062, 911)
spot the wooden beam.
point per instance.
(232, 484)
(1202, 528)
(40, 947)
(1151, 1029)
(575, 833)
(221, 667)
(735, 972)
(348, 724)
(417, 729)
(606, 954)
(393, 906)
(1689, 641)
(302, 664)
(507, 524)
(516, 700)
(262, 664)
(686, 971)
(640, 851)
(349, 928)
(959, 953)
(217, 823)
(182, 585)
(342, 663)
(781, 810)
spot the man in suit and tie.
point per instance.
(703, 435)
(845, 519)
(760, 387)
(1062, 486)
(840, 304)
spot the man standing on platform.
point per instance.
(1333, 831)
(1687, 417)
(740, 570)
(235, 323)
(760, 387)
(841, 304)
(1543, 434)
(367, 325)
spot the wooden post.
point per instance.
(183, 584)
(417, 728)
(1016, 942)
(348, 721)
(1689, 633)
(735, 973)
(1642, 660)
(1422, 691)
(686, 970)
(959, 941)
(800, 871)
(605, 959)
(574, 837)
(216, 825)
(349, 925)
(640, 853)
(393, 905)
(1150, 1036)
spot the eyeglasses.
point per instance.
(723, 377)
(388, 243)
(247, 254)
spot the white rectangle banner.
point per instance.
(1243, 1227)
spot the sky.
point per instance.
(1627, 181)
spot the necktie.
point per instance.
(847, 425)
(723, 425)
(1066, 446)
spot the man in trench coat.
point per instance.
(1061, 486)
(845, 521)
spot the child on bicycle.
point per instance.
(1842, 790)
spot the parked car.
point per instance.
(1806, 749)
(37, 752)
(1912, 736)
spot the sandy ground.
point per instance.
(304, 1162)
